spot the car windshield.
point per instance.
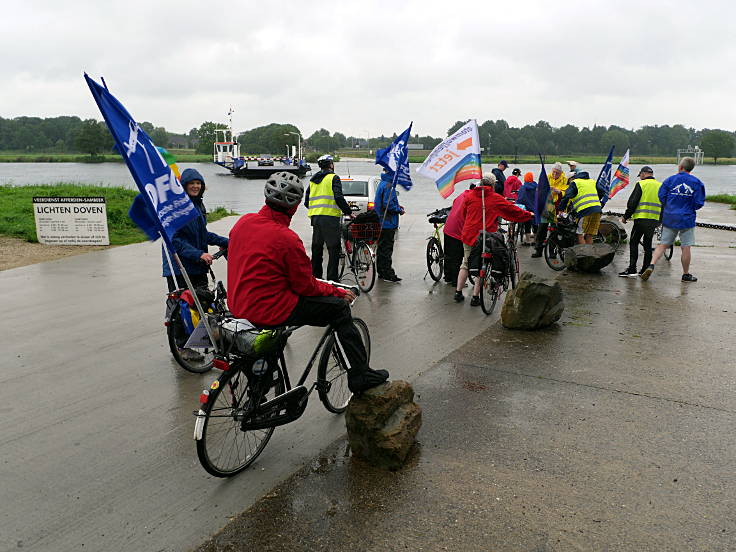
(355, 188)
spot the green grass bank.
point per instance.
(17, 220)
(723, 198)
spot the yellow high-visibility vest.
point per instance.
(649, 205)
(322, 198)
(587, 195)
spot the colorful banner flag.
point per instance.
(455, 159)
(604, 178)
(395, 159)
(163, 205)
(620, 177)
(170, 160)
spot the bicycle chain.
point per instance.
(699, 224)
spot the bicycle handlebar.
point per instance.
(219, 254)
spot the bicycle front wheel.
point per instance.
(223, 448)
(513, 265)
(489, 290)
(554, 256)
(364, 267)
(435, 259)
(608, 233)
(197, 361)
(332, 376)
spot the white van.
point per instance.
(359, 191)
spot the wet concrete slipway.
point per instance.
(612, 430)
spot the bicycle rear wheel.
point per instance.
(513, 265)
(223, 448)
(364, 267)
(608, 233)
(343, 261)
(332, 376)
(197, 361)
(554, 256)
(490, 290)
(435, 259)
(668, 252)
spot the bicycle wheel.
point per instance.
(223, 448)
(513, 265)
(332, 375)
(608, 233)
(553, 255)
(343, 261)
(668, 252)
(197, 361)
(364, 267)
(435, 259)
(489, 290)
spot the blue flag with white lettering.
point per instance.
(604, 179)
(395, 159)
(163, 205)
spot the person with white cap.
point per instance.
(573, 168)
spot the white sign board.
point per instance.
(71, 220)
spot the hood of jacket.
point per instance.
(317, 178)
(192, 174)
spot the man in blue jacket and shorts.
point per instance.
(681, 196)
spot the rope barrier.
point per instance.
(699, 224)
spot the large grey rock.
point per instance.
(589, 258)
(535, 303)
(383, 423)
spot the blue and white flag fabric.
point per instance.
(395, 159)
(163, 205)
(604, 178)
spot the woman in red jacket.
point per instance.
(495, 206)
(270, 280)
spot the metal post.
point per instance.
(200, 309)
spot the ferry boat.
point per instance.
(227, 154)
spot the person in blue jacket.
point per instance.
(681, 196)
(191, 241)
(527, 197)
(388, 210)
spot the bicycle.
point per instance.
(495, 277)
(658, 233)
(608, 233)
(356, 253)
(435, 253)
(241, 409)
(179, 325)
(561, 234)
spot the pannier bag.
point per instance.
(496, 245)
(248, 340)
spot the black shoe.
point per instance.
(628, 273)
(368, 378)
(689, 278)
(475, 301)
(647, 272)
(394, 278)
(537, 253)
(459, 297)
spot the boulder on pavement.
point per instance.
(589, 257)
(535, 303)
(382, 424)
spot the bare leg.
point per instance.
(462, 276)
(589, 239)
(476, 287)
(661, 248)
(581, 239)
(685, 259)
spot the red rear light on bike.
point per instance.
(486, 255)
(221, 364)
(371, 205)
(204, 396)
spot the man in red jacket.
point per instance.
(495, 206)
(270, 280)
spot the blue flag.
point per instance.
(163, 206)
(543, 192)
(604, 179)
(395, 159)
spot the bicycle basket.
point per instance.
(248, 340)
(364, 232)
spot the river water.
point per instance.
(242, 195)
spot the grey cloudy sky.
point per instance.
(371, 67)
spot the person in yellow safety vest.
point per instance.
(585, 196)
(326, 205)
(558, 187)
(646, 210)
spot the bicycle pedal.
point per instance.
(280, 410)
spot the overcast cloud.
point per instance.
(368, 68)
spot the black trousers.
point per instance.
(198, 280)
(453, 258)
(325, 231)
(643, 231)
(384, 252)
(335, 312)
(541, 235)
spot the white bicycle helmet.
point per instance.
(284, 189)
(324, 161)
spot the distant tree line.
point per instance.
(74, 135)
